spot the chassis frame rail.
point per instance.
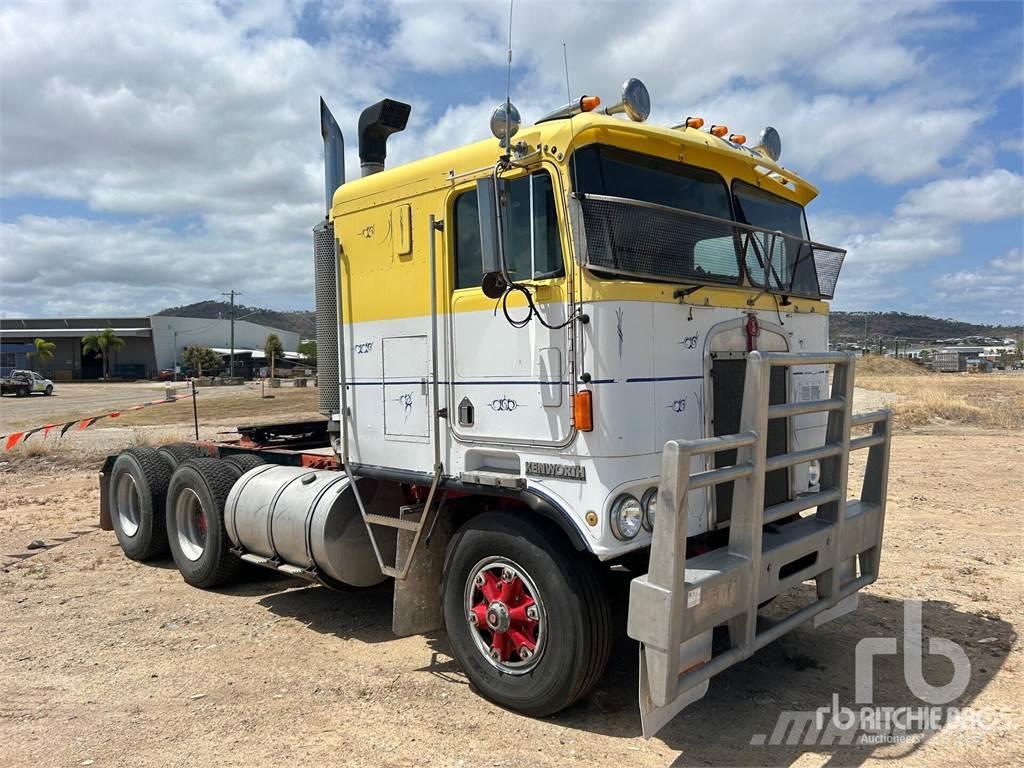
(674, 607)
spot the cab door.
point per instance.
(509, 384)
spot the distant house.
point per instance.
(979, 366)
(954, 359)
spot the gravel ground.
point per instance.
(104, 661)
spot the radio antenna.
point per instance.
(508, 83)
(572, 133)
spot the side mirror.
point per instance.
(493, 282)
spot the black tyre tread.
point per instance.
(244, 462)
(218, 476)
(158, 475)
(178, 453)
(582, 579)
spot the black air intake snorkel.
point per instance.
(376, 123)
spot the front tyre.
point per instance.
(49, 390)
(525, 614)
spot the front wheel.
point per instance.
(48, 391)
(525, 614)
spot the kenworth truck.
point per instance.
(591, 342)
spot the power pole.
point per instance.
(231, 364)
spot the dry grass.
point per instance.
(245, 406)
(875, 365)
(981, 400)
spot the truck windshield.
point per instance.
(648, 243)
(776, 263)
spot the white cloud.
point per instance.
(205, 113)
(996, 287)
(998, 194)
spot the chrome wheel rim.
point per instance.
(190, 521)
(129, 504)
(506, 615)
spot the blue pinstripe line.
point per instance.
(510, 382)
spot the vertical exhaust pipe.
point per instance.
(376, 124)
(334, 154)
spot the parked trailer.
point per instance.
(595, 342)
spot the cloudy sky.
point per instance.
(157, 153)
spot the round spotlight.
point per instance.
(636, 101)
(650, 504)
(770, 143)
(627, 517)
(505, 120)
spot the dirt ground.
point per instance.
(104, 661)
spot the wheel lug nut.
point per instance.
(472, 619)
(479, 580)
(507, 575)
(495, 654)
(525, 653)
(531, 613)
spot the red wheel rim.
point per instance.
(506, 615)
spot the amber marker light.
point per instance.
(590, 103)
(737, 138)
(718, 130)
(694, 122)
(583, 410)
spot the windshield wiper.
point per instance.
(682, 293)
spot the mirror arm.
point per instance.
(501, 227)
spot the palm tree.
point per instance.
(273, 350)
(103, 343)
(44, 351)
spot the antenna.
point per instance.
(572, 133)
(508, 83)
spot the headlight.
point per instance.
(627, 517)
(650, 505)
(813, 473)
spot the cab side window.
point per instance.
(533, 243)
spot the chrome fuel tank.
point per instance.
(309, 518)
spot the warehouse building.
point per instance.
(151, 344)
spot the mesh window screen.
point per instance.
(636, 239)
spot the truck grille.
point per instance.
(727, 377)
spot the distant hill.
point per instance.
(843, 326)
(849, 326)
(302, 322)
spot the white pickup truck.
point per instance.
(21, 383)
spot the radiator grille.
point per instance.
(325, 271)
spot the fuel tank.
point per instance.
(309, 518)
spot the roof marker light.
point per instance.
(694, 122)
(737, 138)
(590, 103)
(718, 130)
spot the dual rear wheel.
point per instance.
(172, 499)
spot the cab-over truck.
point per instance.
(592, 342)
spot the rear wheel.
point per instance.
(49, 390)
(177, 453)
(245, 461)
(525, 614)
(195, 521)
(138, 483)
